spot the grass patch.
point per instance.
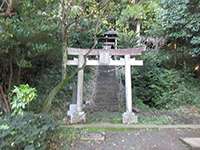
(93, 129)
(109, 117)
(157, 120)
(116, 118)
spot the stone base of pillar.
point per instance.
(129, 118)
(77, 117)
(74, 116)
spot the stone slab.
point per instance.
(92, 137)
(104, 58)
(194, 143)
(72, 109)
(78, 117)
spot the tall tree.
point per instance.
(28, 29)
(139, 16)
(178, 21)
(73, 13)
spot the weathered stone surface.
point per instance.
(72, 109)
(194, 143)
(77, 117)
(140, 139)
(107, 89)
(129, 118)
(104, 58)
(92, 137)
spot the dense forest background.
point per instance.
(34, 35)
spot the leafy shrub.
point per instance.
(127, 39)
(161, 87)
(63, 137)
(21, 96)
(27, 132)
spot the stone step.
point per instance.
(108, 83)
(106, 104)
(108, 98)
(107, 88)
(110, 88)
(112, 101)
(106, 109)
(99, 100)
(92, 137)
(103, 88)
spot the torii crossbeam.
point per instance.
(126, 58)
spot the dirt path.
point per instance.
(142, 139)
(132, 126)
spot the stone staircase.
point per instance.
(107, 89)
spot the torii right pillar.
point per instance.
(129, 116)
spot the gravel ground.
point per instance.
(164, 139)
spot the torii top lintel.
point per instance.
(113, 52)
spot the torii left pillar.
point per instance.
(77, 115)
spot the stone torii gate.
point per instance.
(126, 58)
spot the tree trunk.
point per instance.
(19, 75)
(5, 101)
(64, 38)
(64, 61)
(138, 28)
(48, 100)
(11, 73)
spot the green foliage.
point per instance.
(161, 87)
(31, 33)
(28, 132)
(143, 11)
(139, 103)
(127, 39)
(21, 96)
(29, 37)
(180, 21)
(133, 11)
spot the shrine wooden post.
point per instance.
(126, 58)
